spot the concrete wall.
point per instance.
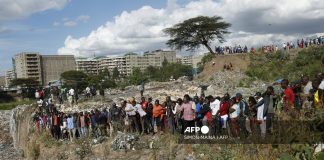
(54, 65)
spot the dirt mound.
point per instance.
(239, 62)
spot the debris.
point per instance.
(124, 141)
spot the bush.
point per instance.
(4, 97)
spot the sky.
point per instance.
(112, 28)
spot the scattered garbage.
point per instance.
(124, 141)
(99, 140)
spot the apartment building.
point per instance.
(28, 65)
(113, 62)
(54, 65)
(88, 65)
(126, 63)
(192, 60)
(154, 58)
(187, 60)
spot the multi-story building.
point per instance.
(9, 75)
(187, 60)
(114, 62)
(44, 68)
(126, 63)
(54, 65)
(88, 65)
(155, 58)
(191, 60)
(27, 65)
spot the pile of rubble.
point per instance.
(218, 84)
(124, 141)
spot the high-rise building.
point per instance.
(44, 68)
(27, 65)
(9, 75)
(88, 65)
(54, 65)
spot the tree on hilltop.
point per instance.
(194, 32)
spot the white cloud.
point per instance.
(253, 23)
(83, 18)
(69, 23)
(56, 24)
(15, 9)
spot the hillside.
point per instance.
(239, 62)
(268, 66)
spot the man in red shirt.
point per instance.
(223, 111)
(289, 96)
(144, 104)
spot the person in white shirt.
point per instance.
(260, 117)
(214, 106)
(131, 113)
(143, 118)
(71, 96)
(40, 103)
(88, 93)
(307, 85)
(233, 113)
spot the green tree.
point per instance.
(106, 73)
(94, 80)
(115, 73)
(165, 62)
(28, 86)
(194, 32)
(24, 82)
(109, 83)
(76, 79)
(136, 77)
(151, 72)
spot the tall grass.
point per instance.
(11, 105)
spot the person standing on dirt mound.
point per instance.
(142, 88)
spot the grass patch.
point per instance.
(11, 105)
(272, 66)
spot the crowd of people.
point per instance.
(236, 116)
(286, 46)
(230, 49)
